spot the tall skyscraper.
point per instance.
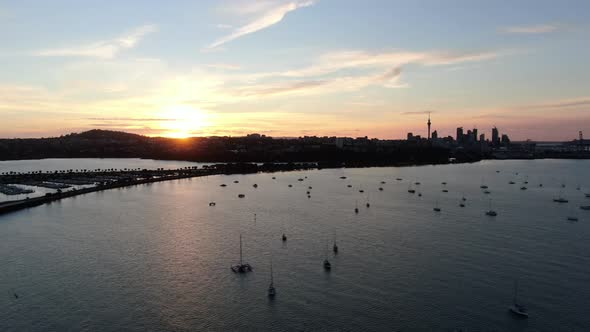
(460, 135)
(495, 136)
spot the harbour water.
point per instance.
(158, 257)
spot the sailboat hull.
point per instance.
(518, 311)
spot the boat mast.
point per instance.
(271, 278)
(241, 249)
(515, 291)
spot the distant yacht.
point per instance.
(523, 188)
(410, 189)
(462, 204)
(223, 185)
(399, 179)
(368, 204)
(361, 191)
(443, 183)
(284, 237)
(419, 194)
(585, 207)
(349, 186)
(517, 308)
(274, 177)
(417, 183)
(343, 177)
(491, 212)
(241, 267)
(255, 185)
(511, 182)
(380, 189)
(587, 195)
(445, 190)
(463, 198)
(290, 185)
(211, 203)
(236, 181)
(356, 207)
(271, 288)
(383, 182)
(487, 192)
(241, 195)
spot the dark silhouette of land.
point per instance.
(252, 148)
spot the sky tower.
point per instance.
(429, 125)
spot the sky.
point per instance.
(295, 67)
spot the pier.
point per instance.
(64, 182)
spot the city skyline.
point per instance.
(295, 68)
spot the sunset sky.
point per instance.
(292, 68)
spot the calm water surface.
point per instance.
(157, 257)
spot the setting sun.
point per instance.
(182, 121)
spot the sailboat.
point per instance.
(560, 199)
(335, 246)
(284, 237)
(410, 189)
(517, 308)
(436, 208)
(241, 267)
(491, 212)
(327, 265)
(271, 288)
(483, 186)
(572, 215)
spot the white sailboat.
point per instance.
(491, 212)
(271, 288)
(241, 267)
(516, 308)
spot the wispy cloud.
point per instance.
(561, 104)
(529, 29)
(102, 49)
(417, 112)
(223, 26)
(337, 61)
(271, 16)
(133, 119)
(223, 66)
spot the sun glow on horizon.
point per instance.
(183, 121)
